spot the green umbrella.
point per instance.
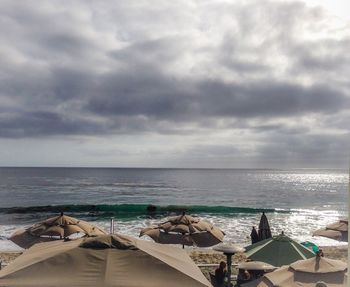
(278, 250)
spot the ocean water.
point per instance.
(295, 201)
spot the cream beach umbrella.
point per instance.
(103, 261)
(256, 265)
(306, 273)
(54, 228)
(337, 231)
(186, 230)
(278, 250)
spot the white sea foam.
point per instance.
(299, 225)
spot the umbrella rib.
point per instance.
(254, 250)
(301, 254)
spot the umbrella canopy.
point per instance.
(185, 230)
(312, 246)
(278, 250)
(106, 260)
(256, 265)
(306, 273)
(54, 228)
(264, 228)
(337, 231)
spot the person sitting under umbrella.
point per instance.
(243, 277)
(220, 274)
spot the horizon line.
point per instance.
(204, 168)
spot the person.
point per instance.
(243, 276)
(220, 274)
(319, 253)
(254, 236)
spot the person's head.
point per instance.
(320, 253)
(222, 265)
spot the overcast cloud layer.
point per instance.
(174, 83)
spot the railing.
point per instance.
(213, 265)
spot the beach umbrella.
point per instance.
(256, 265)
(54, 228)
(316, 271)
(337, 231)
(103, 261)
(186, 230)
(264, 228)
(311, 246)
(278, 250)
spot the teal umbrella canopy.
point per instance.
(278, 250)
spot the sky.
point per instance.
(209, 84)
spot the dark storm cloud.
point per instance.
(42, 123)
(269, 99)
(154, 95)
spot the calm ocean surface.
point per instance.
(295, 201)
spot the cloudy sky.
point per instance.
(192, 83)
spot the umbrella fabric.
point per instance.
(264, 228)
(255, 265)
(25, 240)
(337, 231)
(185, 230)
(54, 228)
(319, 265)
(278, 250)
(341, 225)
(167, 238)
(106, 260)
(305, 273)
(311, 246)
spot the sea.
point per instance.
(295, 201)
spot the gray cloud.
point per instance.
(43, 123)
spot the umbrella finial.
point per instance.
(321, 284)
(61, 213)
(183, 213)
(282, 233)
